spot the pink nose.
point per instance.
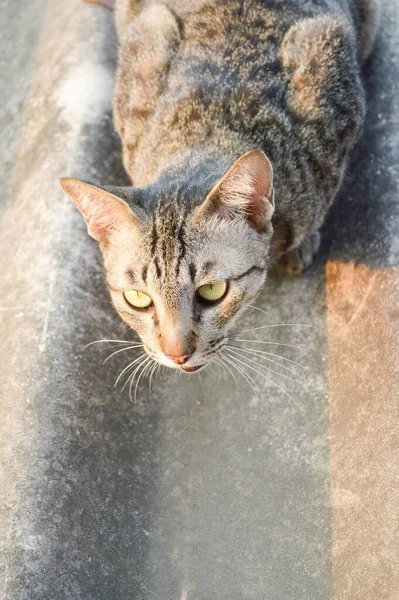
(179, 360)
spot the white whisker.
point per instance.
(262, 352)
(104, 349)
(265, 356)
(160, 369)
(271, 381)
(137, 366)
(128, 367)
(268, 368)
(232, 360)
(137, 370)
(277, 325)
(265, 312)
(272, 343)
(219, 360)
(153, 369)
(148, 365)
(122, 350)
(114, 341)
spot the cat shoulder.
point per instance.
(147, 47)
(320, 59)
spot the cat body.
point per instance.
(200, 83)
(236, 120)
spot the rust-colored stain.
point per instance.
(363, 348)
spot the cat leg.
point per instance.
(106, 3)
(295, 261)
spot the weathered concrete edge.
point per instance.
(78, 41)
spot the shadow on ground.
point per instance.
(363, 224)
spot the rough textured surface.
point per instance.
(201, 489)
(20, 25)
(364, 443)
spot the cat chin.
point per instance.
(184, 368)
(191, 369)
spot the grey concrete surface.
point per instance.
(364, 222)
(200, 489)
(20, 28)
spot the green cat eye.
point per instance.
(137, 299)
(211, 292)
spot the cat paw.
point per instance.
(299, 259)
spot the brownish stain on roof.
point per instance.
(363, 347)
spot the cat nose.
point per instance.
(179, 360)
(177, 348)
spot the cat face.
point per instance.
(180, 277)
(180, 293)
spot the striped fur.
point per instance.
(201, 83)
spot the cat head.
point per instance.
(180, 273)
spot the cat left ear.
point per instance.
(104, 212)
(246, 191)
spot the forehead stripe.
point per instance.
(154, 237)
(157, 267)
(182, 248)
(253, 269)
(193, 271)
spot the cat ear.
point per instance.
(246, 191)
(104, 212)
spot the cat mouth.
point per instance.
(191, 369)
(185, 368)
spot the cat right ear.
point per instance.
(103, 212)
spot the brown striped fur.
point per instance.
(201, 83)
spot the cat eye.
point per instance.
(137, 299)
(212, 292)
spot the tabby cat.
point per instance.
(236, 120)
